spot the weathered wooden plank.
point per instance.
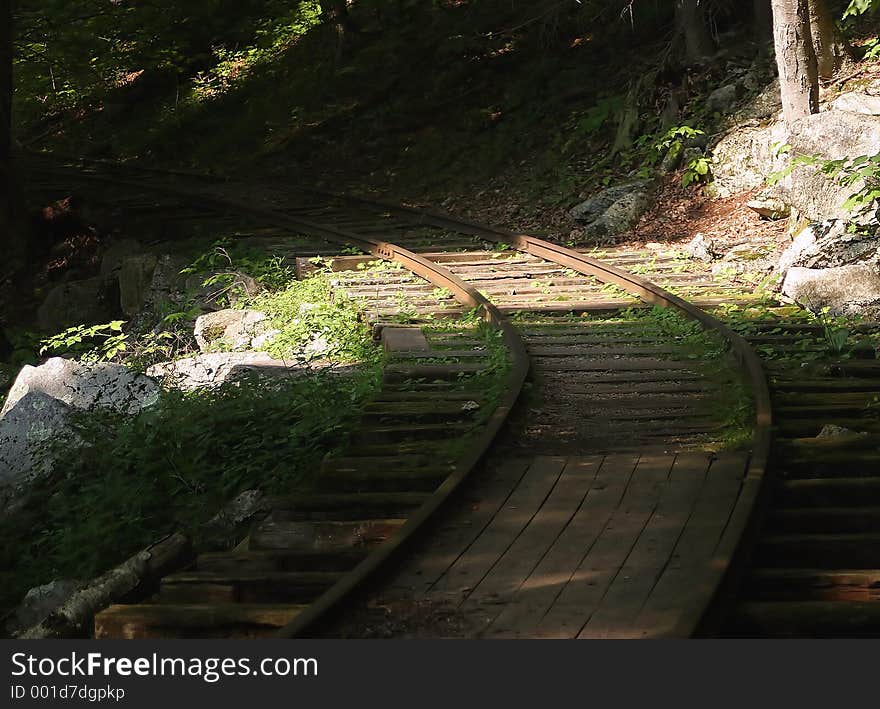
(193, 621)
(275, 534)
(678, 587)
(521, 558)
(637, 578)
(456, 532)
(516, 513)
(584, 591)
(533, 598)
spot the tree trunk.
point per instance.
(5, 126)
(825, 41)
(75, 617)
(796, 58)
(690, 20)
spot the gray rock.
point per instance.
(267, 338)
(230, 329)
(766, 104)
(168, 283)
(26, 429)
(135, 277)
(746, 258)
(769, 206)
(833, 135)
(721, 99)
(829, 244)
(85, 302)
(856, 102)
(29, 436)
(845, 290)
(744, 158)
(85, 386)
(207, 371)
(702, 249)
(614, 210)
(803, 242)
(39, 603)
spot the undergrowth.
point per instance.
(173, 467)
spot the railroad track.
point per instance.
(815, 571)
(637, 449)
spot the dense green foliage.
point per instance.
(178, 462)
(316, 322)
(173, 467)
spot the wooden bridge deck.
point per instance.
(620, 545)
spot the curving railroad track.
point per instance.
(597, 508)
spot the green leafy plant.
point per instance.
(860, 7)
(697, 170)
(673, 141)
(872, 49)
(89, 342)
(835, 332)
(315, 321)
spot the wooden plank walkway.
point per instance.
(576, 547)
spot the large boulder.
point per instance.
(832, 135)
(78, 302)
(230, 329)
(750, 258)
(207, 371)
(744, 158)
(723, 98)
(766, 104)
(844, 290)
(829, 244)
(857, 102)
(38, 409)
(613, 210)
(168, 283)
(27, 427)
(85, 386)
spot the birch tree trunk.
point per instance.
(796, 58)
